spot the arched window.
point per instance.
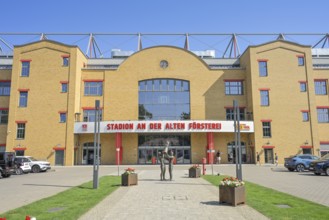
(164, 99)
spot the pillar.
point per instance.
(210, 147)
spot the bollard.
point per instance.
(204, 161)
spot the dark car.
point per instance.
(321, 165)
(7, 164)
(299, 162)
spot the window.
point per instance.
(233, 88)
(300, 61)
(23, 99)
(163, 99)
(264, 98)
(66, 61)
(94, 88)
(266, 129)
(305, 116)
(302, 86)
(262, 68)
(323, 115)
(62, 117)
(230, 114)
(4, 116)
(64, 87)
(20, 130)
(25, 68)
(89, 115)
(5, 88)
(320, 87)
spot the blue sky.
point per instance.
(169, 16)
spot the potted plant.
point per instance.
(129, 177)
(194, 171)
(232, 191)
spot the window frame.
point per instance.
(263, 69)
(234, 87)
(88, 88)
(20, 130)
(66, 61)
(319, 88)
(323, 114)
(23, 102)
(264, 97)
(229, 113)
(5, 87)
(62, 117)
(89, 114)
(301, 60)
(266, 128)
(64, 87)
(305, 116)
(4, 116)
(25, 71)
(303, 86)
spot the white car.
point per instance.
(36, 165)
(22, 166)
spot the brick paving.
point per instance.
(182, 198)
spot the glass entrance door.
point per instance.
(149, 155)
(268, 155)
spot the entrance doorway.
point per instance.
(88, 153)
(149, 146)
(268, 153)
(150, 155)
(231, 152)
(59, 158)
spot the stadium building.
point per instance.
(160, 95)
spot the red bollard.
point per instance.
(204, 161)
(27, 218)
(2, 218)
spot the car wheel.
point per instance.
(35, 169)
(318, 174)
(300, 167)
(291, 169)
(18, 171)
(327, 171)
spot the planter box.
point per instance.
(130, 179)
(194, 173)
(232, 195)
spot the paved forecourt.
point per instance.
(182, 198)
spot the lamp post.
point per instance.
(96, 145)
(237, 143)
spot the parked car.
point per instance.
(7, 165)
(321, 165)
(22, 165)
(36, 165)
(300, 162)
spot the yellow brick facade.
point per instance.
(45, 135)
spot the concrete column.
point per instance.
(210, 146)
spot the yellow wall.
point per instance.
(120, 99)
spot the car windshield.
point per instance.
(325, 157)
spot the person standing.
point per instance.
(170, 158)
(258, 158)
(276, 158)
(218, 157)
(162, 165)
